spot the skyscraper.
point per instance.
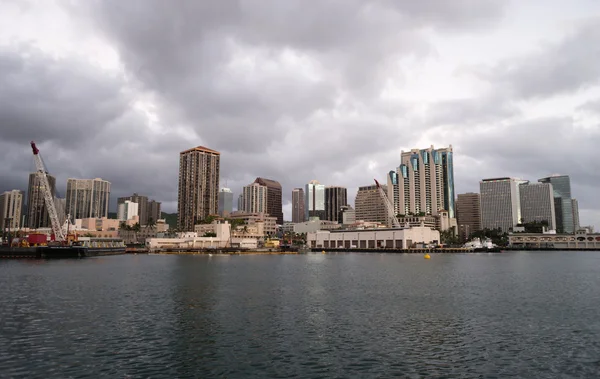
(141, 201)
(87, 198)
(274, 194)
(314, 203)
(37, 214)
(127, 210)
(225, 202)
(153, 211)
(369, 205)
(576, 214)
(424, 182)
(561, 184)
(198, 186)
(298, 207)
(500, 203)
(468, 214)
(537, 203)
(335, 198)
(11, 204)
(255, 198)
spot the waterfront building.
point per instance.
(198, 195)
(255, 198)
(335, 198)
(424, 182)
(582, 239)
(225, 202)
(127, 210)
(274, 198)
(11, 204)
(468, 214)
(147, 209)
(37, 213)
(383, 238)
(575, 205)
(369, 205)
(561, 184)
(347, 215)
(314, 202)
(314, 225)
(269, 222)
(537, 203)
(298, 207)
(500, 203)
(87, 198)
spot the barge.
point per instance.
(90, 247)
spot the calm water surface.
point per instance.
(530, 315)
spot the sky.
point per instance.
(292, 90)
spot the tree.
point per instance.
(151, 223)
(447, 237)
(210, 234)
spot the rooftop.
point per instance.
(202, 149)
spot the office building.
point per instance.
(563, 204)
(335, 198)
(298, 208)
(225, 202)
(537, 204)
(274, 201)
(11, 204)
(369, 205)
(198, 195)
(255, 199)
(347, 215)
(37, 213)
(500, 203)
(575, 206)
(424, 182)
(468, 214)
(314, 200)
(87, 198)
(127, 210)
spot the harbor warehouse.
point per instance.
(373, 238)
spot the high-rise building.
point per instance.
(87, 198)
(240, 202)
(468, 214)
(537, 203)
(369, 205)
(576, 214)
(37, 214)
(127, 210)
(11, 204)
(225, 202)
(255, 198)
(335, 198)
(154, 212)
(500, 203)
(198, 186)
(141, 201)
(298, 207)
(424, 182)
(274, 195)
(314, 200)
(563, 205)
(60, 203)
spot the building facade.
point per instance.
(537, 203)
(269, 223)
(468, 214)
(424, 182)
(298, 208)
(383, 238)
(87, 198)
(225, 202)
(37, 213)
(198, 197)
(314, 201)
(347, 215)
(369, 205)
(254, 198)
(563, 204)
(148, 210)
(335, 198)
(127, 210)
(500, 203)
(11, 205)
(576, 223)
(274, 198)
(154, 212)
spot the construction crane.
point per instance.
(59, 235)
(389, 206)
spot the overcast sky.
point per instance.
(297, 90)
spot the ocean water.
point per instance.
(519, 314)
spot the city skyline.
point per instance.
(271, 100)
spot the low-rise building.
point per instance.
(269, 222)
(579, 240)
(146, 231)
(190, 240)
(314, 225)
(99, 224)
(387, 238)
